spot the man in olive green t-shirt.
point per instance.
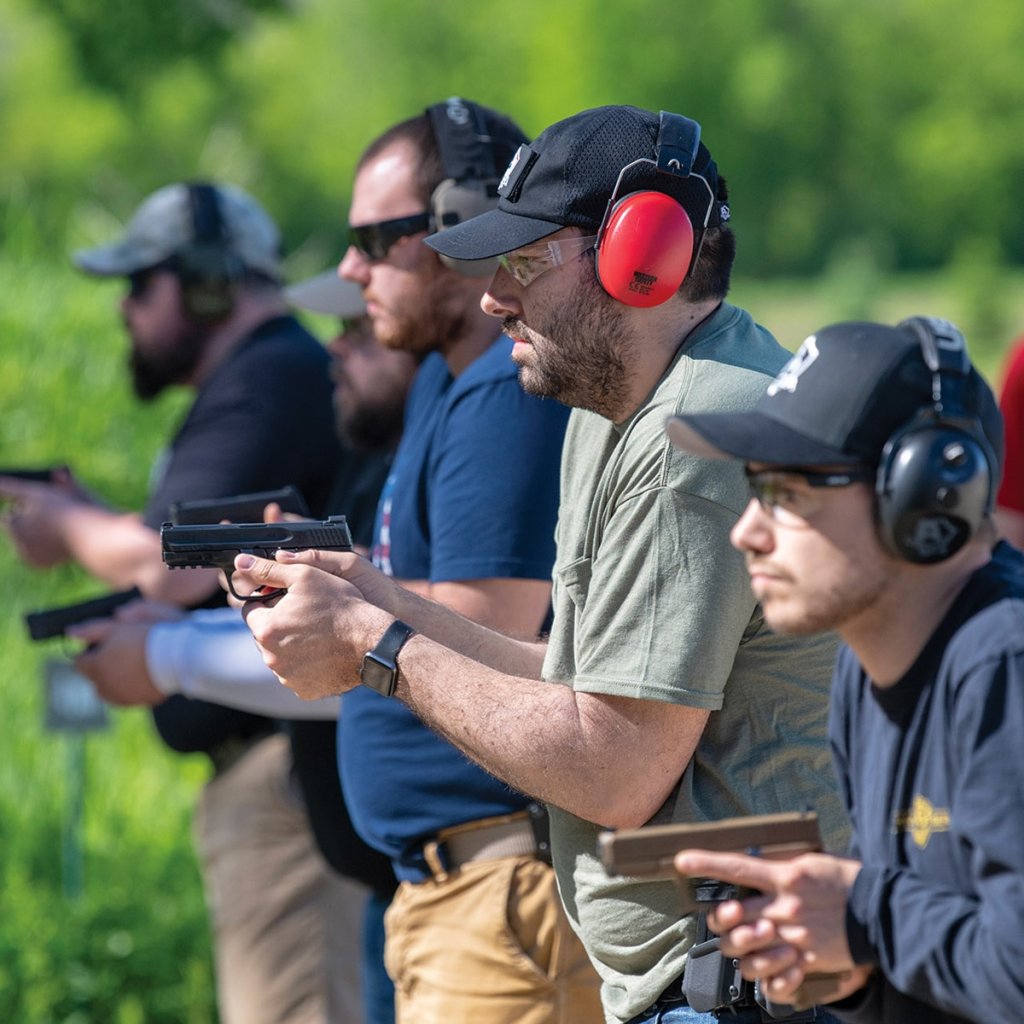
(660, 695)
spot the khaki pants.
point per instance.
(286, 928)
(491, 945)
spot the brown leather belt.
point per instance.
(507, 835)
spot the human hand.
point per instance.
(795, 931)
(35, 518)
(314, 636)
(115, 660)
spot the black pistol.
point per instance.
(215, 546)
(240, 508)
(51, 622)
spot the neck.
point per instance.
(657, 336)
(251, 310)
(889, 636)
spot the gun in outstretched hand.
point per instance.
(215, 546)
(51, 622)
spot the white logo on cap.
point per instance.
(511, 167)
(795, 368)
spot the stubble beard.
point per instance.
(579, 353)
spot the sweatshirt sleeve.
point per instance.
(212, 655)
(956, 942)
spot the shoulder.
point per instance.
(725, 367)
(986, 632)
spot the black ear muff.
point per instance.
(934, 487)
(647, 242)
(470, 185)
(208, 270)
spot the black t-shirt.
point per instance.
(263, 419)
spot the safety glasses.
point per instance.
(527, 264)
(374, 241)
(790, 496)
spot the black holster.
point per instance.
(712, 983)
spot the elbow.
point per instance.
(628, 809)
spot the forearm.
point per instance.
(942, 947)
(211, 655)
(121, 550)
(545, 739)
(471, 639)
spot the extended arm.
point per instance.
(51, 524)
(207, 654)
(539, 737)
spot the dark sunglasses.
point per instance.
(374, 241)
(138, 280)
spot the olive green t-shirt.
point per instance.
(651, 601)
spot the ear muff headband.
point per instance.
(208, 270)
(647, 241)
(470, 184)
(934, 486)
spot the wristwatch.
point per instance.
(379, 671)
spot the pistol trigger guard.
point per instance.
(276, 592)
(268, 596)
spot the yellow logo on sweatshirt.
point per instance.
(922, 821)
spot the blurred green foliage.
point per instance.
(134, 946)
(889, 127)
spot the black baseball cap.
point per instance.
(845, 392)
(565, 177)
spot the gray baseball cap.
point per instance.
(164, 224)
(327, 293)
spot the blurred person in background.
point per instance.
(147, 654)
(204, 309)
(1010, 498)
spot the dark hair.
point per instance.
(711, 276)
(505, 138)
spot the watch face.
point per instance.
(377, 674)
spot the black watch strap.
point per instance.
(379, 670)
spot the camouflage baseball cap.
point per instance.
(165, 224)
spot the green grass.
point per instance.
(134, 947)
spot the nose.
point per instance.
(354, 266)
(753, 530)
(502, 296)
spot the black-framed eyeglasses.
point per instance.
(787, 494)
(374, 241)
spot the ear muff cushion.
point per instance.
(932, 492)
(645, 249)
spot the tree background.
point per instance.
(891, 128)
(875, 156)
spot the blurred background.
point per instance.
(875, 158)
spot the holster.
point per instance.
(712, 983)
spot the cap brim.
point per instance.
(327, 293)
(117, 259)
(490, 234)
(751, 437)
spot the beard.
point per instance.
(429, 320)
(370, 424)
(579, 351)
(153, 372)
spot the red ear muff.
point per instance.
(645, 249)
